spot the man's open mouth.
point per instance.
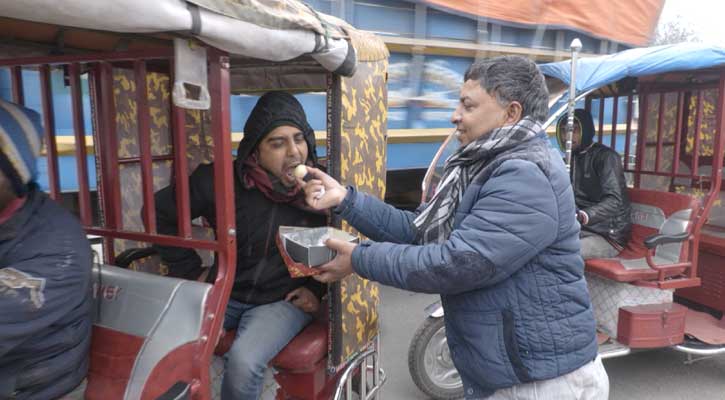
(289, 172)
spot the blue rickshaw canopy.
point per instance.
(595, 72)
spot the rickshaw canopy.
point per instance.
(272, 30)
(596, 72)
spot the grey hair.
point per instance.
(513, 78)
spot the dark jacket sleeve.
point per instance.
(182, 262)
(609, 167)
(384, 223)
(514, 218)
(41, 289)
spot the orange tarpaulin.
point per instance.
(625, 21)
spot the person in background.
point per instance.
(599, 190)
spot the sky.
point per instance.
(704, 17)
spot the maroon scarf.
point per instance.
(254, 176)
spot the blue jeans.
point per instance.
(262, 332)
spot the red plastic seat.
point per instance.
(305, 350)
(653, 212)
(300, 355)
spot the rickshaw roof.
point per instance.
(596, 72)
(270, 30)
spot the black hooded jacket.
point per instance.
(261, 276)
(599, 185)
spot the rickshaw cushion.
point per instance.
(653, 212)
(305, 350)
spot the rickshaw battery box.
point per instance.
(651, 325)
(304, 248)
(608, 297)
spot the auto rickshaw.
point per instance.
(157, 78)
(663, 110)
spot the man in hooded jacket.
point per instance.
(599, 189)
(267, 307)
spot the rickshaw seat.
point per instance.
(300, 354)
(145, 334)
(653, 213)
(304, 351)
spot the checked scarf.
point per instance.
(435, 222)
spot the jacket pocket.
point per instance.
(479, 347)
(512, 347)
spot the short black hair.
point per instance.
(513, 78)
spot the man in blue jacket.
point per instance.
(45, 274)
(498, 241)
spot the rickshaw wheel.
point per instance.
(430, 364)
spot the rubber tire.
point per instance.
(416, 362)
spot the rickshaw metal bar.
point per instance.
(613, 139)
(363, 380)
(707, 353)
(348, 388)
(373, 394)
(164, 240)
(696, 139)
(180, 164)
(673, 87)
(144, 143)
(134, 160)
(98, 145)
(334, 154)
(219, 87)
(660, 122)
(181, 178)
(112, 184)
(678, 132)
(133, 55)
(718, 145)
(628, 131)
(51, 148)
(670, 283)
(641, 137)
(601, 120)
(16, 75)
(347, 374)
(715, 174)
(79, 131)
(575, 46)
(377, 378)
(669, 174)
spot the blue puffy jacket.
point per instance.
(45, 301)
(510, 276)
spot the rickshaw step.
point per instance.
(612, 349)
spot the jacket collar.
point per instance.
(10, 228)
